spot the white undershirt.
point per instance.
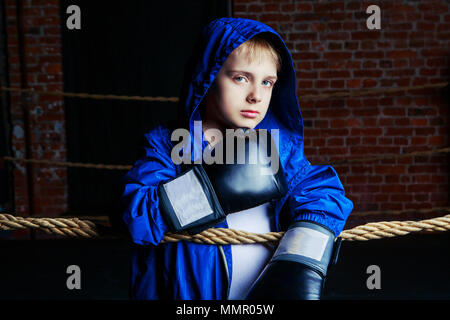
(249, 259)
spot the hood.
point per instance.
(219, 38)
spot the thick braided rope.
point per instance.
(74, 227)
(71, 227)
(128, 167)
(384, 229)
(354, 93)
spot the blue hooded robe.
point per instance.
(185, 270)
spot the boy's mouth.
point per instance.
(250, 113)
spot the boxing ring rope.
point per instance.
(75, 227)
(352, 93)
(79, 228)
(128, 167)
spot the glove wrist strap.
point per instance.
(307, 243)
(189, 202)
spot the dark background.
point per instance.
(6, 190)
(123, 48)
(412, 267)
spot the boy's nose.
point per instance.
(254, 96)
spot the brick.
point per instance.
(438, 179)
(353, 83)
(288, 7)
(352, 141)
(435, 52)
(422, 169)
(334, 74)
(392, 188)
(307, 75)
(369, 64)
(338, 123)
(394, 111)
(318, 27)
(353, 65)
(303, 17)
(401, 197)
(337, 55)
(419, 122)
(305, 84)
(273, 7)
(437, 140)
(326, 7)
(421, 179)
(321, 84)
(401, 54)
(361, 169)
(357, 179)
(425, 188)
(365, 35)
(321, 64)
(418, 140)
(369, 55)
(332, 151)
(351, 45)
(336, 36)
(367, 131)
(303, 7)
(305, 56)
(396, 17)
(307, 65)
(302, 36)
(319, 142)
(334, 132)
(335, 46)
(426, 131)
(335, 142)
(399, 131)
(369, 141)
(438, 62)
(369, 83)
(368, 73)
(401, 141)
(400, 63)
(337, 84)
(421, 112)
(334, 113)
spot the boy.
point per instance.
(244, 78)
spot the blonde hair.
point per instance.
(258, 46)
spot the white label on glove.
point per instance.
(187, 198)
(303, 241)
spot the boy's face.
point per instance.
(241, 93)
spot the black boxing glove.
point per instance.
(246, 177)
(298, 268)
(236, 176)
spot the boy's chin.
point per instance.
(250, 124)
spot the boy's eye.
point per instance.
(266, 83)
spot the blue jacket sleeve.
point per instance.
(139, 198)
(319, 196)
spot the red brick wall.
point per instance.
(334, 51)
(41, 70)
